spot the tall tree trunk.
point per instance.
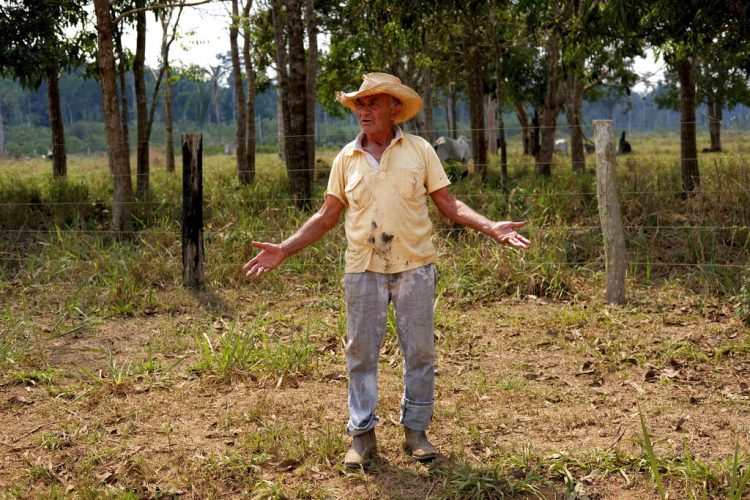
(141, 105)
(296, 143)
(239, 96)
(573, 110)
(503, 146)
(551, 108)
(453, 99)
(715, 116)
(168, 119)
(282, 76)
(122, 71)
(282, 126)
(523, 121)
(215, 102)
(534, 132)
(2, 132)
(123, 193)
(250, 104)
(168, 112)
(688, 147)
(491, 131)
(312, 75)
(474, 86)
(427, 94)
(447, 111)
(59, 160)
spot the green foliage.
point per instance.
(653, 463)
(738, 478)
(463, 480)
(238, 351)
(35, 40)
(742, 307)
(35, 377)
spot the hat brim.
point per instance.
(411, 103)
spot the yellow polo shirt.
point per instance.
(387, 225)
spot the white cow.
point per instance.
(561, 146)
(454, 149)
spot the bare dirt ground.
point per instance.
(544, 395)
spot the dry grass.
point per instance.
(117, 382)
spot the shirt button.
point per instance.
(381, 176)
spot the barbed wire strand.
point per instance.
(559, 263)
(529, 227)
(729, 126)
(514, 194)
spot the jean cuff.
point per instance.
(353, 430)
(416, 415)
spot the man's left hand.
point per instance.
(505, 232)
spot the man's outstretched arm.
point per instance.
(503, 232)
(272, 254)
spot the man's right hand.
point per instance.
(271, 256)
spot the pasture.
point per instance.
(115, 381)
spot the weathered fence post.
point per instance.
(193, 258)
(609, 210)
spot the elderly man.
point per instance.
(382, 180)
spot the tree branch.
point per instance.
(128, 13)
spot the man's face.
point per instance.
(376, 113)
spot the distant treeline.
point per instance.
(205, 107)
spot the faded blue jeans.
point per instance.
(367, 296)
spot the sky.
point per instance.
(205, 31)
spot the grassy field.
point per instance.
(115, 381)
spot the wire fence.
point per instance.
(351, 130)
(541, 227)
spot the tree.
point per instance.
(2, 131)
(720, 83)
(124, 63)
(215, 75)
(165, 17)
(256, 62)
(681, 31)
(144, 113)
(141, 102)
(34, 48)
(123, 191)
(239, 94)
(292, 75)
(598, 51)
(312, 76)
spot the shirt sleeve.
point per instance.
(435, 176)
(337, 180)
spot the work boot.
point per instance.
(363, 447)
(417, 445)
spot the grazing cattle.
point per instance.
(624, 145)
(561, 146)
(452, 149)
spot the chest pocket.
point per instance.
(411, 183)
(357, 192)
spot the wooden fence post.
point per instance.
(609, 210)
(193, 258)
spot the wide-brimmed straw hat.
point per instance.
(383, 83)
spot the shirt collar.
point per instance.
(398, 135)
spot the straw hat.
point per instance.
(383, 83)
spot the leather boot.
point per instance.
(362, 450)
(417, 445)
